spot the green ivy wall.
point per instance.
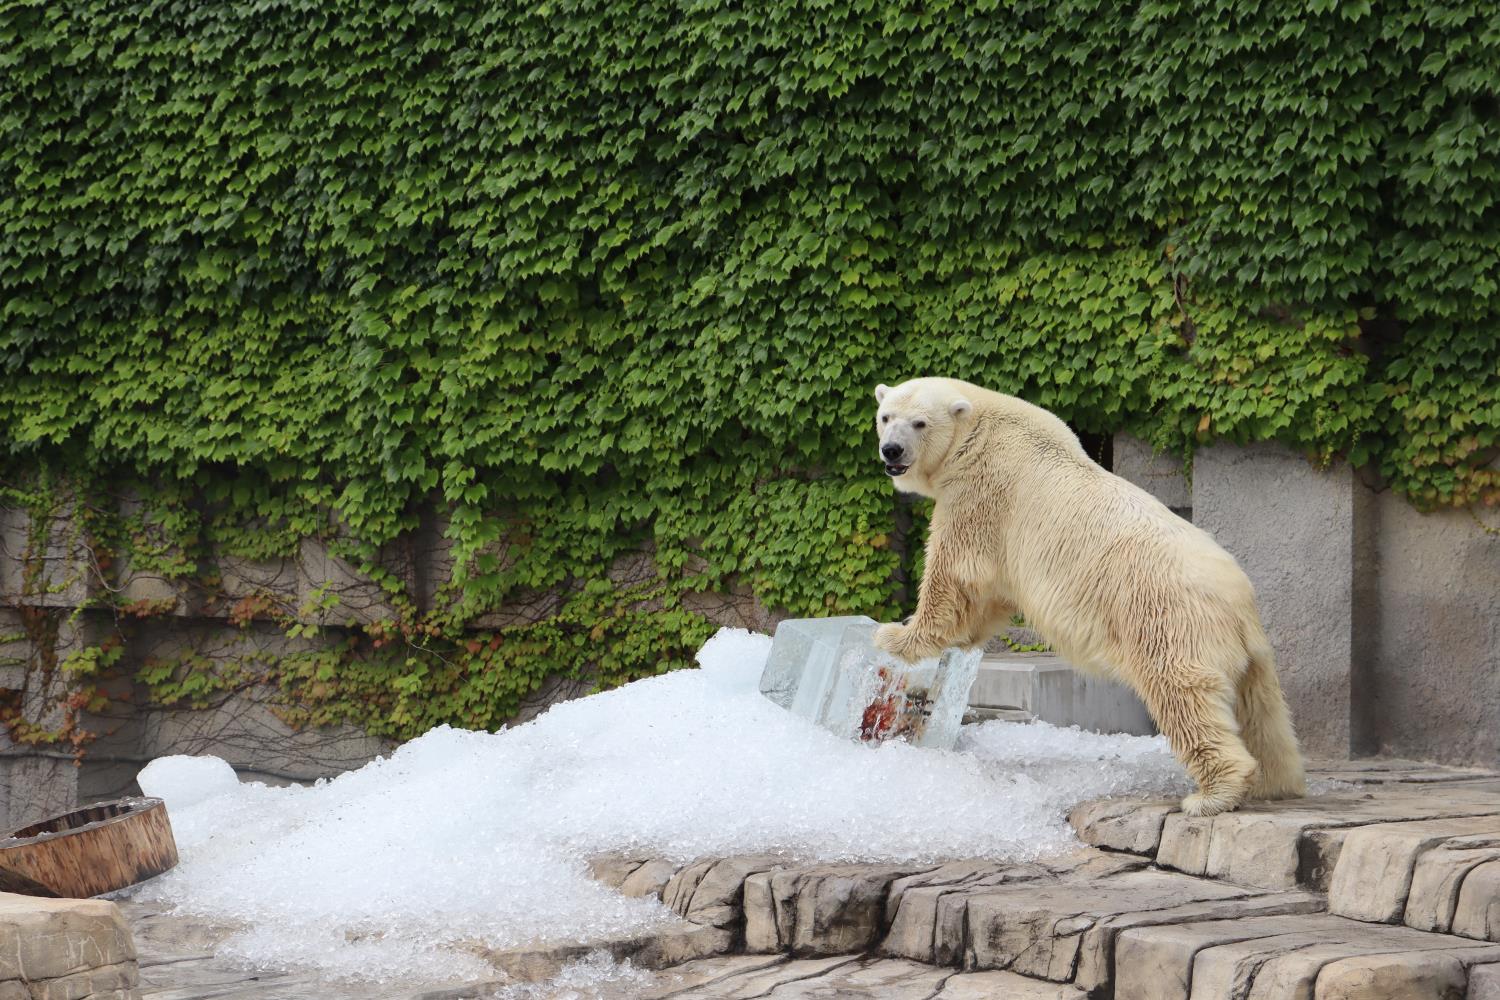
(598, 275)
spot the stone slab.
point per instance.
(885, 979)
(1004, 986)
(1373, 875)
(43, 939)
(1132, 825)
(1273, 957)
(819, 910)
(1484, 982)
(764, 982)
(926, 913)
(1264, 844)
(1413, 976)
(1477, 912)
(1439, 876)
(700, 973)
(712, 891)
(1040, 929)
(649, 879)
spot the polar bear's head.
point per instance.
(917, 421)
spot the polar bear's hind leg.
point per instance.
(1194, 708)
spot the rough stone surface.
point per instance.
(1421, 976)
(1038, 929)
(1006, 985)
(1484, 983)
(1291, 526)
(1477, 911)
(1439, 876)
(819, 910)
(1132, 825)
(1373, 876)
(766, 981)
(926, 912)
(614, 869)
(1266, 844)
(886, 978)
(65, 949)
(648, 880)
(1277, 957)
(712, 892)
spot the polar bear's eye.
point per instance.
(919, 424)
(885, 419)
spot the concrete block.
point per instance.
(255, 588)
(1430, 678)
(1048, 688)
(332, 590)
(34, 788)
(48, 565)
(1292, 528)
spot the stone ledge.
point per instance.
(64, 949)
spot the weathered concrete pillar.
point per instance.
(1293, 528)
(1429, 641)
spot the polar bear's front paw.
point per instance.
(889, 638)
(1200, 804)
(904, 642)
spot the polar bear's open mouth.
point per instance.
(896, 470)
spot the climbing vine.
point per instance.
(558, 283)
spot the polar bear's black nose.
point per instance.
(891, 451)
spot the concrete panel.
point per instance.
(1429, 683)
(1292, 528)
(1046, 687)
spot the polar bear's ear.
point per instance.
(960, 406)
(880, 391)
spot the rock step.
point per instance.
(1092, 924)
(825, 979)
(1425, 854)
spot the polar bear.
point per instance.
(1118, 584)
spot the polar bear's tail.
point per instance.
(1266, 725)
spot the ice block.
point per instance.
(828, 670)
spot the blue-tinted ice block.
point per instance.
(829, 671)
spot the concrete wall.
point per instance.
(1429, 680)
(1385, 620)
(1292, 529)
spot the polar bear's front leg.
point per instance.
(939, 622)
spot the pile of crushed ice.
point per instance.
(394, 870)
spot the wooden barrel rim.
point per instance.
(88, 851)
(116, 811)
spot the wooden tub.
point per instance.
(99, 848)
